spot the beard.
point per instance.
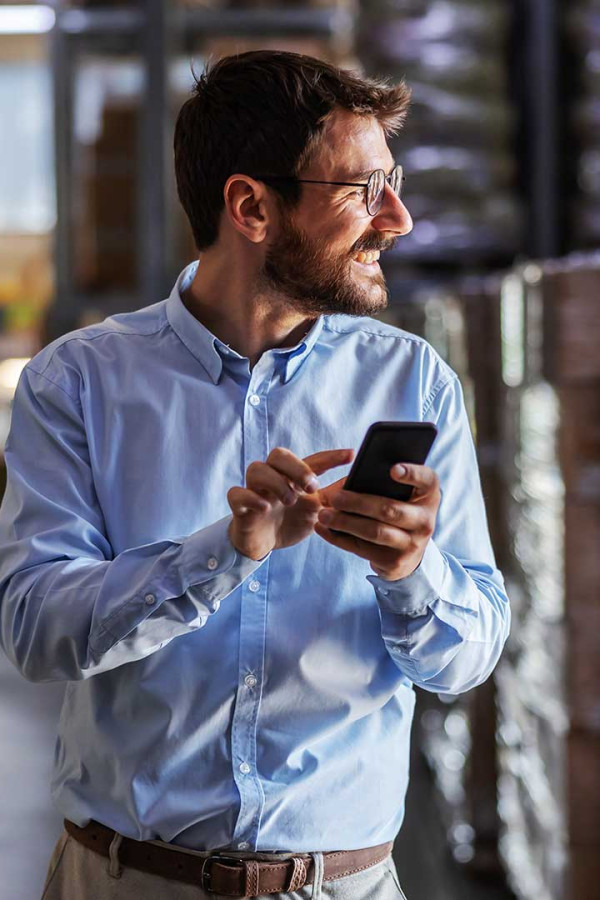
(314, 283)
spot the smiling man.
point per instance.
(241, 637)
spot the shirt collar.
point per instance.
(212, 352)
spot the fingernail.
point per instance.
(399, 470)
(312, 484)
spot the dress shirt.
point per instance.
(212, 700)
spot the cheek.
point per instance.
(341, 239)
(333, 232)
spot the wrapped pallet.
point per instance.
(457, 147)
(549, 677)
(582, 84)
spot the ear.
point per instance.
(248, 206)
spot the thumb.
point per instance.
(326, 493)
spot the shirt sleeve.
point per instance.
(70, 608)
(445, 625)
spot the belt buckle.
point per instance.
(206, 875)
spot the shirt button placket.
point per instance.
(252, 629)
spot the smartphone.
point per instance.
(384, 445)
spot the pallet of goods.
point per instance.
(549, 677)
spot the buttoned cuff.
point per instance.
(412, 595)
(208, 558)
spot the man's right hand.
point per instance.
(279, 505)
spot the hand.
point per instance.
(391, 534)
(279, 506)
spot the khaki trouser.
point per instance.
(76, 873)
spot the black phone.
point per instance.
(384, 445)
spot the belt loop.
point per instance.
(318, 876)
(114, 869)
(298, 877)
(251, 869)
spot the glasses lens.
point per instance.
(396, 179)
(375, 188)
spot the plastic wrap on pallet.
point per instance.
(457, 147)
(530, 677)
(459, 233)
(435, 313)
(462, 20)
(582, 28)
(548, 696)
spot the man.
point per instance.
(240, 679)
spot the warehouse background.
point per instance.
(502, 159)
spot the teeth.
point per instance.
(367, 257)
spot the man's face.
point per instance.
(312, 258)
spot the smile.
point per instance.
(366, 257)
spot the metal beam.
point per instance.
(541, 119)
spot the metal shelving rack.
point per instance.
(538, 77)
(152, 30)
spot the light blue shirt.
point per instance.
(212, 700)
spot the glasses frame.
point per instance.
(364, 184)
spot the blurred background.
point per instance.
(501, 274)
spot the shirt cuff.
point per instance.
(208, 558)
(412, 595)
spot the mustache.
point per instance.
(375, 244)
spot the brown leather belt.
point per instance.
(222, 874)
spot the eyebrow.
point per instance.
(356, 176)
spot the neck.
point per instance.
(247, 321)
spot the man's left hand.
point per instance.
(391, 534)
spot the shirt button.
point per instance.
(212, 562)
(149, 598)
(254, 399)
(250, 680)
(243, 845)
(254, 586)
(245, 768)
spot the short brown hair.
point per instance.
(263, 111)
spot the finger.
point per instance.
(422, 478)
(379, 556)
(367, 530)
(393, 512)
(328, 459)
(300, 473)
(245, 503)
(264, 480)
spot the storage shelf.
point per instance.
(78, 22)
(325, 22)
(100, 22)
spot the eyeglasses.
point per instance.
(375, 186)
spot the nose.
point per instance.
(393, 215)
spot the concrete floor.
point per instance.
(29, 826)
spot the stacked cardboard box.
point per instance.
(105, 237)
(574, 366)
(531, 342)
(549, 677)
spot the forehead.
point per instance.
(350, 145)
